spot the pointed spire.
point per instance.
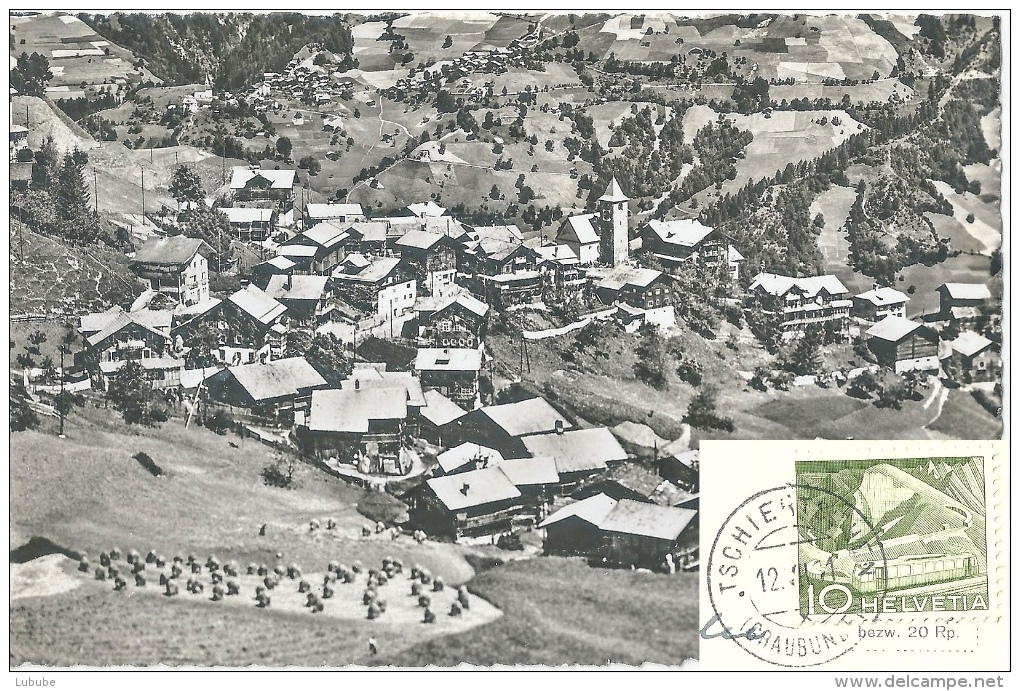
(613, 193)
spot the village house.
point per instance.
(308, 299)
(340, 214)
(466, 456)
(878, 303)
(681, 468)
(636, 533)
(500, 267)
(452, 372)
(433, 257)
(277, 266)
(962, 303)
(438, 418)
(381, 288)
(477, 502)
(268, 188)
(631, 481)
(250, 225)
(280, 388)
(640, 296)
(676, 241)
(451, 322)
(536, 478)
(177, 266)
(574, 529)
(801, 302)
(367, 237)
(252, 326)
(366, 421)
(426, 209)
(328, 241)
(974, 356)
(115, 337)
(559, 265)
(903, 345)
(579, 454)
(502, 427)
(301, 256)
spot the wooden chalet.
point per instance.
(459, 321)
(477, 502)
(267, 389)
(903, 345)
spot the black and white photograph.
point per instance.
(390, 339)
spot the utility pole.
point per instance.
(60, 407)
(95, 184)
(143, 193)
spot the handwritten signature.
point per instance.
(751, 634)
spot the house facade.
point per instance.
(115, 337)
(381, 288)
(308, 299)
(433, 258)
(903, 345)
(325, 243)
(801, 302)
(963, 302)
(251, 326)
(254, 186)
(641, 295)
(251, 225)
(878, 303)
(977, 358)
(580, 235)
(454, 322)
(177, 266)
(453, 372)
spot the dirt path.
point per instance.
(943, 394)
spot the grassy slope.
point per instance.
(88, 494)
(57, 278)
(560, 610)
(963, 418)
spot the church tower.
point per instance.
(614, 238)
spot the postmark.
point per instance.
(854, 555)
(754, 577)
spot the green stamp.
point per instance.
(891, 536)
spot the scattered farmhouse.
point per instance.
(475, 502)
(904, 345)
(177, 266)
(962, 302)
(879, 303)
(269, 188)
(975, 357)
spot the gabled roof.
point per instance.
(438, 304)
(630, 275)
(473, 488)
(966, 291)
(647, 520)
(296, 250)
(577, 450)
(327, 211)
(733, 255)
(894, 329)
(524, 417)
(523, 472)
(373, 378)
(426, 209)
(635, 478)
(466, 453)
(779, 285)
(614, 193)
(969, 343)
(277, 378)
(420, 239)
(592, 510)
(682, 232)
(351, 410)
(279, 262)
(176, 250)
(116, 322)
(253, 301)
(505, 233)
(300, 287)
(96, 321)
(448, 360)
(580, 227)
(159, 320)
(278, 179)
(370, 231)
(324, 234)
(440, 410)
(559, 254)
(882, 297)
(373, 272)
(244, 215)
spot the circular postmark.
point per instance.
(777, 587)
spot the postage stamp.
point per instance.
(854, 555)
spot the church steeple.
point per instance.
(614, 213)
